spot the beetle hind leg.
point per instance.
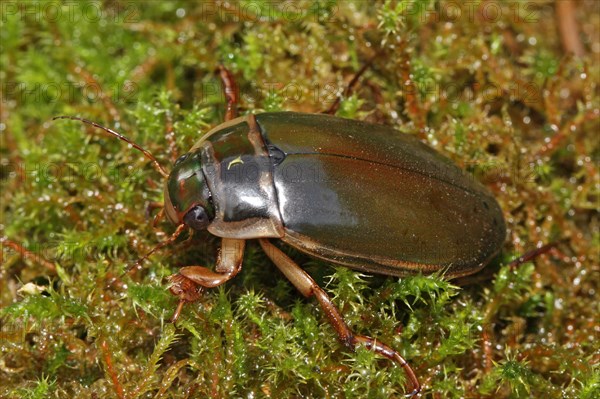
(308, 287)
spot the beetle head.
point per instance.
(187, 196)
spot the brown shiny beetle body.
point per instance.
(352, 193)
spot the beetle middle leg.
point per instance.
(348, 91)
(308, 287)
(189, 283)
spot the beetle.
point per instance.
(349, 192)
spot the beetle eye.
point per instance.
(196, 218)
(181, 159)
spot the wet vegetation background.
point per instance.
(494, 85)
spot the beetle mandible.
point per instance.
(352, 193)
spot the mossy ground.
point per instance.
(488, 85)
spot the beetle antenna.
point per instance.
(118, 135)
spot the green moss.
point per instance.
(40, 389)
(487, 85)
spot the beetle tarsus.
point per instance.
(177, 312)
(184, 288)
(390, 353)
(528, 256)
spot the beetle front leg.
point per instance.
(189, 283)
(308, 287)
(230, 91)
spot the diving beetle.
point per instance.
(349, 192)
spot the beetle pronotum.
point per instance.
(302, 178)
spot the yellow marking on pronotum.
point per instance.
(234, 162)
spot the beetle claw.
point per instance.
(184, 288)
